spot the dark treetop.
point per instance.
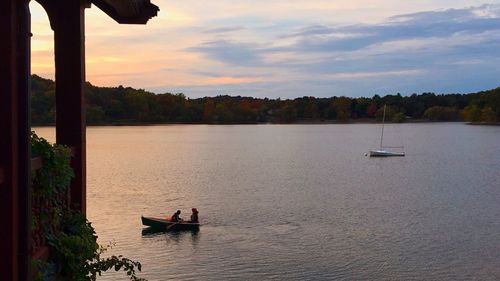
(125, 105)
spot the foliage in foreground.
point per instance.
(75, 253)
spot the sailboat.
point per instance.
(382, 152)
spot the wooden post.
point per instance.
(8, 140)
(24, 140)
(67, 20)
(14, 140)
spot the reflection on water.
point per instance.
(175, 235)
(300, 202)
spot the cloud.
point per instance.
(221, 74)
(408, 47)
(288, 48)
(452, 28)
(320, 38)
(486, 11)
(375, 74)
(229, 52)
(227, 29)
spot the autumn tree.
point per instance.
(208, 111)
(488, 115)
(472, 113)
(342, 107)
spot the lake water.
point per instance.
(300, 202)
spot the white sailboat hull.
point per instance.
(381, 152)
(385, 153)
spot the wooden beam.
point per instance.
(36, 163)
(9, 265)
(14, 140)
(124, 12)
(24, 140)
(67, 20)
(1, 175)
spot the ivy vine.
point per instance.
(74, 251)
(55, 175)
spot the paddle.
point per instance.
(170, 226)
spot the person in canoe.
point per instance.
(194, 216)
(175, 217)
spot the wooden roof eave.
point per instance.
(128, 12)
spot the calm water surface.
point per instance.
(300, 202)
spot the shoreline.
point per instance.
(484, 123)
(298, 122)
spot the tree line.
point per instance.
(114, 105)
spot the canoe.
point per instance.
(385, 153)
(163, 224)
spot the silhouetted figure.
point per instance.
(194, 215)
(175, 217)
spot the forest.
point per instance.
(125, 105)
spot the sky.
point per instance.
(289, 49)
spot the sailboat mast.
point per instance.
(383, 122)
